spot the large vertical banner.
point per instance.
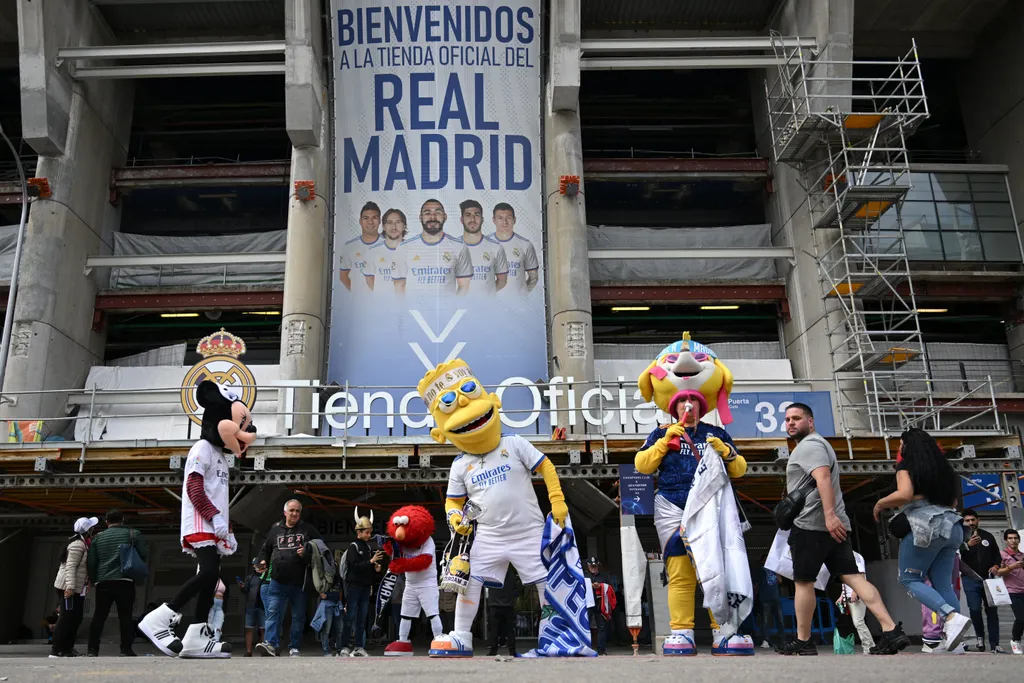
(438, 223)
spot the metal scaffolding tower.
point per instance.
(846, 136)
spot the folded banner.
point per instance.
(564, 626)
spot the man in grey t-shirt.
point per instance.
(820, 536)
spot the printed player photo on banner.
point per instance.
(438, 224)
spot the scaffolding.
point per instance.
(846, 136)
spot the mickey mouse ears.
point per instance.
(210, 393)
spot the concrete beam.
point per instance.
(760, 293)
(303, 90)
(564, 72)
(124, 302)
(197, 175)
(675, 169)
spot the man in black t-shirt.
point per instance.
(980, 552)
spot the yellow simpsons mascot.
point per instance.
(494, 473)
(687, 381)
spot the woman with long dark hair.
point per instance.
(929, 527)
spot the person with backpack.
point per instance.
(361, 568)
(71, 582)
(327, 582)
(287, 549)
(112, 586)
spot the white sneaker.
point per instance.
(345, 652)
(359, 652)
(953, 631)
(1015, 647)
(293, 652)
(200, 642)
(765, 645)
(266, 649)
(158, 626)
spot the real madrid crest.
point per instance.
(447, 256)
(220, 352)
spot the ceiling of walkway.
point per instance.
(148, 22)
(942, 28)
(653, 15)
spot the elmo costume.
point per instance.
(412, 550)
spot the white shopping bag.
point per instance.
(995, 591)
(780, 560)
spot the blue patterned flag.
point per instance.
(564, 626)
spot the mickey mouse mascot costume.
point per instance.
(205, 530)
(412, 548)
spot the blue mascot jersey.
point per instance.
(675, 474)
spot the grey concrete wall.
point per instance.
(991, 87)
(53, 344)
(805, 338)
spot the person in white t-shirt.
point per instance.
(382, 254)
(432, 261)
(523, 265)
(490, 266)
(355, 253)
(205, 528)
(494, 474)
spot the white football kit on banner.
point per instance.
(511, 527)
(521, 257)
(378, 266)
(432, 267)
(488, 262)
(355, 258)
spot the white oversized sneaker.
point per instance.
(725, 645)
(158, 626)
(453, 645)
(679, 644)
(200, 642)
(1015, 647)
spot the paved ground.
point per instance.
(765, 667)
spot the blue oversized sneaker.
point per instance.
(679, 644)
(452, 645)
(723, 645)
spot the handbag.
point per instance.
(842, 645)
(995, 591)
(899, 525)
(792, 503)
(132, 566)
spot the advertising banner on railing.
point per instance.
(438, 221)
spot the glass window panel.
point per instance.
(1001, 246)
(956, 216)
(989, 187)
(962, 246)
(916, 216)
(922, 188)
(951, 187)
(924, 246)
(994, 217)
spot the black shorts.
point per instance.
(811, 549)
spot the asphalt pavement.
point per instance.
(765, 667)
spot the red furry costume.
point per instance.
(412, 550)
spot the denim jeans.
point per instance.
(936, 563)
(975, 592)
(331, 630)
(772, 609)
(357, 603)
(276, 597)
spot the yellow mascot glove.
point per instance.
(453, 508)
(735, 464)
(559, 510)
(648, 460)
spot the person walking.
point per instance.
(286, 550)
(926, 491)
(980, 552)
(70, 584)
(820, 535)
(112, 586)
(255, 612)
(1012, 571)
(771, 603)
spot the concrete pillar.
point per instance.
(568, 266)
(806, 341)
(306, 261)
(80, 130)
